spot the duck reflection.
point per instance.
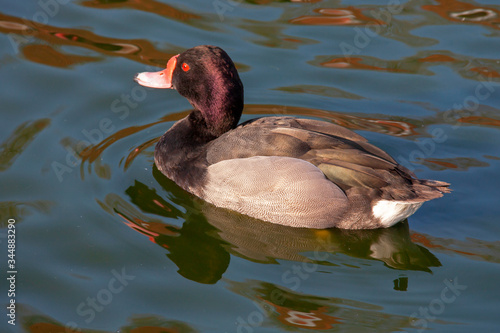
(201, 247)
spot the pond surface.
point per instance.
(105, 243)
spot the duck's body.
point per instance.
(295, 172)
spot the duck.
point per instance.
(295, 172)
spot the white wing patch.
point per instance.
(282, 190)
(390, 212)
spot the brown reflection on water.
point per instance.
(150, 6)
(13, 146)
(486, 72)
(469, 68)
(24, 32)
(457, 163)
(463, 12)
(21, 209)
(336, 16)
(384, 126)
(475, 249)
(34, 321)
(480, 120)
(437, 58)
(356, 63)
(47, 55)
(320, 91)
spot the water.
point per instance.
(105, 243)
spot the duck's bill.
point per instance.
(161, 79)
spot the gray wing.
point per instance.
(282, 190)
(346, 158)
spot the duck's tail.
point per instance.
(430, 189)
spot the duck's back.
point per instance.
(309, 173)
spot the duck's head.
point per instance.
(207, 77)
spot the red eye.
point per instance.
(185, 67)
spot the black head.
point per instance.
(207, 77)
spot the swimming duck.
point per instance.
(285, 170)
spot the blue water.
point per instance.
(105, 243)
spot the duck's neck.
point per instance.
(221, 107)
(200, 133)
